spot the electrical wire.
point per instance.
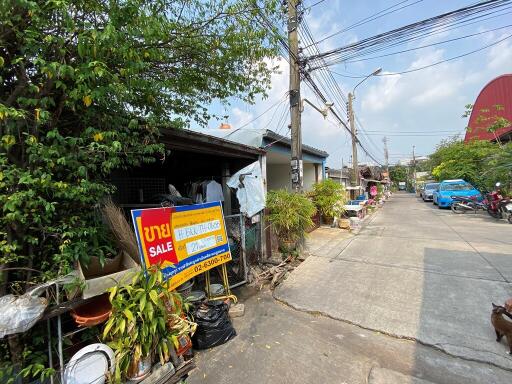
(433, 64)
(351, 56)
(368, 19)
(406, 33)
(429, 45)
(280, 101)
(313, 5)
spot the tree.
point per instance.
(398, 173)
(84, 88)
(479, 162)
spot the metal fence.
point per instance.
(237, 267)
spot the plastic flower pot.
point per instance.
(93, 313)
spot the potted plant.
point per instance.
(145, 323)
(291, 216)
(329, 197)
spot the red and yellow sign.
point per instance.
(184, 241)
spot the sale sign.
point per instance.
(184, 241)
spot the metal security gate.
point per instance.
(237, 267)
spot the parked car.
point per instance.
(427, 191)
(401, 185)
(442, 195)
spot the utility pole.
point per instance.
(341, 172)
(386, 154)
(414, 166)
(296, 136)
(355, 171)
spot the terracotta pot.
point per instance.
(93, 313)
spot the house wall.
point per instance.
(278, 177)
(310, 176)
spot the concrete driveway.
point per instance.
(415, 272)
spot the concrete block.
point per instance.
(236, 310)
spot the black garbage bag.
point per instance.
(213, 325)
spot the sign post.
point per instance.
(183, 241)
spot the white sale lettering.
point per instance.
(160, 249)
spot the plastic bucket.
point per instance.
(186, 288)
(216, 289)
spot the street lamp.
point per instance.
(351, 97)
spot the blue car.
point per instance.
(442, 196)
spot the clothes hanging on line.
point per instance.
(214, 191)
(205, 191)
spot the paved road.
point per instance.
(279, 345)
(415, 272)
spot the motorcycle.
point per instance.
(499, 206)
(494, 198)
(462, 204)
(506, 209)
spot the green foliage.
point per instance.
(84, 88)
(145, 321)
(380, 191)
(398, 173)
(290, 214)
(479, 162)
(489, 119)
(329, 197)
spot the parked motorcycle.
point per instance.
(506, 209)
(494, 198)
(462, 204)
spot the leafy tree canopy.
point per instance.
(398, 173)
(84, 86)
(479, 162)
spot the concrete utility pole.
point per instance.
(355, 171)
(293, 42)
(386, 154)
(350, 112)
(414, 166)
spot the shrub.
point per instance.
(329, 197)
(290, 214)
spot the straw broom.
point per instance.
(121, 229)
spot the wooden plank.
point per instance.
(163, 376)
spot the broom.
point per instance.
(121, 229)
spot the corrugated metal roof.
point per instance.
(497, 92)
(256, 138)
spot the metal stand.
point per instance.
(225, 283)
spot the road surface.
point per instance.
(407, 300)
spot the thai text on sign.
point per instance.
(185, 241)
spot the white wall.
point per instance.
(309, 176)
(278, 177)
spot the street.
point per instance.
(407, 300)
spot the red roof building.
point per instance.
(494, 101)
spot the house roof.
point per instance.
(498, 92)
(260, 138)
(192, 141)
(336, 173)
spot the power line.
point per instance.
(313, 5)
(433, 64)
(331, 87)
(429, 45)
(350, 56)
(368, 19)
(404, 34)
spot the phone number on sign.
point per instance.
(210, 263)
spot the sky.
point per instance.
(415, 109)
